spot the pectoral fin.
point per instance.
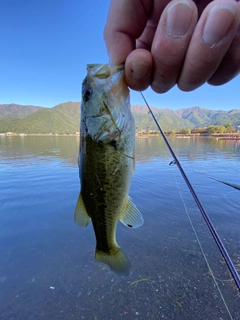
(131, 216)
(81, 218)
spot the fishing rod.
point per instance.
(213, 231)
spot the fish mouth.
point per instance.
(103, 71)
(100, 71)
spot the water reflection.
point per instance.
(47, 266)
(48, 148)
(147, 149)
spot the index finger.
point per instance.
(126, 22)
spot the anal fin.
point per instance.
(81, 217)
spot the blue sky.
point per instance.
(45, 46)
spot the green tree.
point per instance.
(229, 128)
(185, 131)
(216, 129)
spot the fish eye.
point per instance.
(87, 95)
(114, 144)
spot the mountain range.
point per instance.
(16, 111)
(194, 117)
(64, 118)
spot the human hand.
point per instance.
(164, 43)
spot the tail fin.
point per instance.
(115, 259)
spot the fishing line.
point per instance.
(213, 231)
(201, 248)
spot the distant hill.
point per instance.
(64, 118)
(16, 111)
(168, 119)
(194, 117)
(200, 117)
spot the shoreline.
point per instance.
(222, 136)
(13, 134)
(226, 136)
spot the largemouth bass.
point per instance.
(106, 162)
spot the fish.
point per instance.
(106, 162)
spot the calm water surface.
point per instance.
(47, 266)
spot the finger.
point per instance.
(146, 38)
(170, 43)
(126, 22)
(211, 40)
(230, 65)
(138, 69)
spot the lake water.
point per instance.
(47, 265)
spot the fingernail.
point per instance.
(218, 22)
(139, 69)
(179, 17)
